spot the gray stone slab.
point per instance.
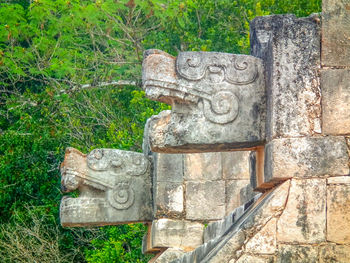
(295, 253)
(335, 32)
(168, 167)
(202, 166)
(218, 101)
(335, 101)
(304, 217)
(338, 213)
(227, 248)
(334, 253)
(114, 187)
(238, 192)
(169, 200)
(306, 157)
(169, 255)
(235, 165)
(176, 233)
(205, 200)
(290, 49)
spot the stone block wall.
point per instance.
(192, 190)
(304, 214)
(301, 220)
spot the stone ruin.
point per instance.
(252, 162)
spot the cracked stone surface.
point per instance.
(335, 32)
(335, 101)
(290, 49)
(304, 218)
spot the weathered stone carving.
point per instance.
(218, 101)
(114, 186)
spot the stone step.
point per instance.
(229, 238)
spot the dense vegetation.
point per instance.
(70, 76)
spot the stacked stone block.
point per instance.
(192, 190)
(306, 218)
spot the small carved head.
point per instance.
(70, 180)
(73, 170)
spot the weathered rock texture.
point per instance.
(218, 101)
(338, 210)
(199, 186)
(182, 234)
(306, 157)
(114, 187)
(335, 33)
(288, 224)
(290, 49)
(335, 101)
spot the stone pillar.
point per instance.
(308, 128)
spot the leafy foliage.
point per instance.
(70, 76)
(119, 245)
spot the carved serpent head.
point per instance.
(209, 79)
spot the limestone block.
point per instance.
(263, 242)
(181, 234)
(202, 166)
(229, 246)
(169, 199)
(114, 186)
(338, 213)
(168, 255)
(335, 32)
(336, 100)
(238, 192)
(218, 228)
(168, 167)
(205, 200)
(295, 253)
(305, 157)
(217, 99)
(339, 180)
(331, 253)
(270, 206)
(304, 218)
(235, 165)
(167, 184)
(253, 259)
(290, 49)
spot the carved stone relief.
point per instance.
(218, 101)
(114, 186)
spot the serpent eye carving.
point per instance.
(223, 107)
(121, 196)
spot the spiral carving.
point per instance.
(122, 196)
(236, 69)
(223, 107)
(241, 72)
